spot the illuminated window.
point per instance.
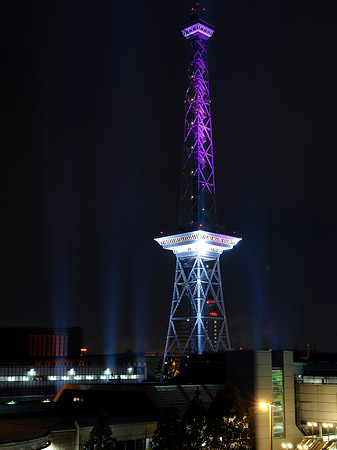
(278, 400)
(57, 345)
(30, 345)
(39, 345)
(44, 345)
(35, 345)
(62, 346)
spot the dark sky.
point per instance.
(91, 149)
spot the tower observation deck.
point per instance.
(197, 322)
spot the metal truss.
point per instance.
(197, 320)
(198, 183)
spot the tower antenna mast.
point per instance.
(197, 323)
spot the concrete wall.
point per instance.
(26, 445)
(318, 402)
(63, 440)
(263, 393)
(292, 433)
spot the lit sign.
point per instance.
(213, 314)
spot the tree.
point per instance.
(225, 426)
(229, 424)
(169, 431)
(100, 437)
(194, 424)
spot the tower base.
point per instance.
(197, 322)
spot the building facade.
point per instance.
(30, 342)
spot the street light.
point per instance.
(327, 426)
(268, 406)
(312, 425)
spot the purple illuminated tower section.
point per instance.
(197, 322)
(197, 206)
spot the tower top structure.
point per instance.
(198, 26)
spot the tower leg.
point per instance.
(197, 322)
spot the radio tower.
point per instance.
(197, 320)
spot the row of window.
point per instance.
(318, 380)
(6, 371)
(278, 401)
(48, 345)
(73, 378)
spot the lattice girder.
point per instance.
(197, 305)
(198, 181)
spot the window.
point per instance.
(278, 400)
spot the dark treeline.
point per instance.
(226, 424)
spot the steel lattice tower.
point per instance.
(197, 322)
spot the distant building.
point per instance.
(44, 376)
(316, 398)
(22, 343)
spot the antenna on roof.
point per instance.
(197, 11)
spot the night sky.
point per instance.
(91, 147)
